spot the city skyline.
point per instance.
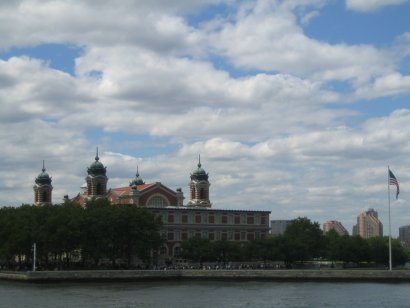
(296, 107)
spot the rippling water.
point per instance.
(205, 294)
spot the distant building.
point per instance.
(180, 222)
(334, 225)
(404, 235)
(278, 227)
(368, 225)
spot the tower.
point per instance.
(368, 224)
(96, 179)
(42, 188)
(137, 180)
(134, 193)
(199, 188)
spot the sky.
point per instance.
(297, 107)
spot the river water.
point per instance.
(204, 294)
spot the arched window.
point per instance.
(45, 196)
(202, 194)
(177, 251)
(99, 189)
(157, 201)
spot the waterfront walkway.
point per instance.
(274, 275)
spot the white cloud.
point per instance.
(371, 5)
(271, 138)
(267, 37)
(387, 85)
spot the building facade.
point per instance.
(278, 227)
(404, 235)
(180, 221)
(368, 225)
(334, 225)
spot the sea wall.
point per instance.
(274, 275)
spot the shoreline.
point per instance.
(325, 275)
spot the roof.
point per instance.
(127, 189)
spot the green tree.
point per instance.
(225, 251)
(332, 242)
(303, 240)
(197, 249)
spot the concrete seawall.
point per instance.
(273, 275)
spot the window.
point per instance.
(250, 236)
(170, 218)
(45, 197)
(230, 219)
(211, 219)
(211, 236)
(263, 220)
(250, 220)
(230, 236)
(237, 236)
(170, 236)
(198, 218)
(237, 219)
(157, 201)
(184, 218)
(177, 251)
(224, 219)
(184, 236)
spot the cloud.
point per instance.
(267, 38)
(158, 83)
(371, 5)
(388, 85)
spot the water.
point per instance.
(204, 294)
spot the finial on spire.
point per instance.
(44, 168)
(137, 172)
(199, 161)
(96, 156)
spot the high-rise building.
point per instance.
(278, 227)
(334, 225)
(404, 235)
(368, 225)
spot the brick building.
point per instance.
(334, 225)
(368, 225)
(180, 221)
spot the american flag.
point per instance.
(393, 181)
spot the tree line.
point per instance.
(69, 235)
(302, 241)
(68, 232)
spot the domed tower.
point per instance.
(199, 188)
(135, 194)
(42, 188)
(137, 180)
(96, 179)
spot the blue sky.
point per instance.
(296, 107)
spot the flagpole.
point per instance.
(388, 192)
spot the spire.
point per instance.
(44, 168)
(96, 156)
(137, 181)
(199, 161)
